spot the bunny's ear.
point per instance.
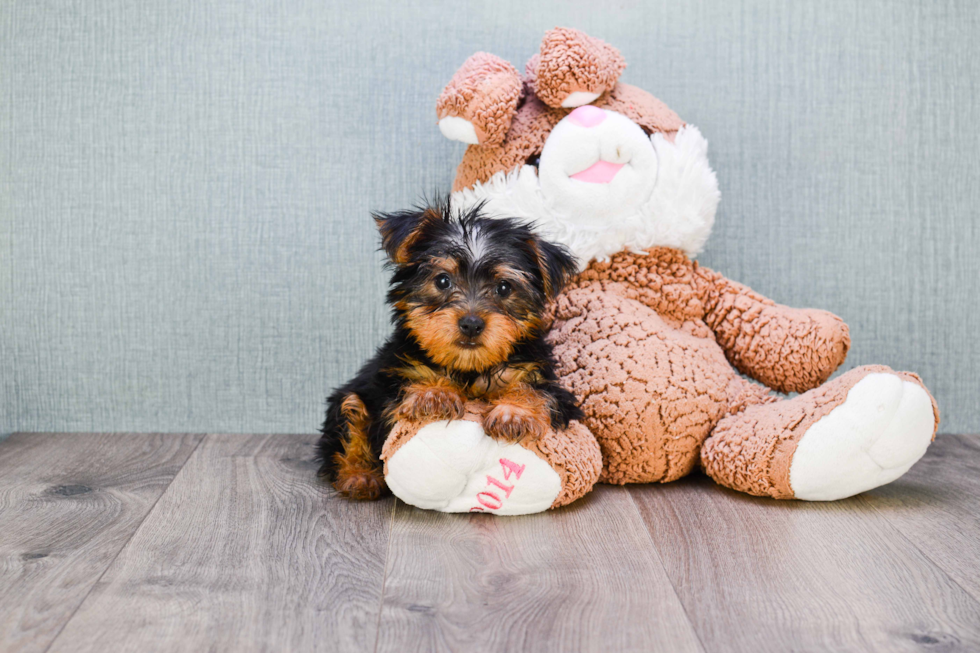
(573, 68)
(478, 104)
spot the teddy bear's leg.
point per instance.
(861, 430)
(453, 466)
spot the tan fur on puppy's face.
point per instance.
(469, 290)
(438, 333)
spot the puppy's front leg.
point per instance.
(518, 412)
(431, 400)
(358, 472)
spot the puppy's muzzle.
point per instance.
(471, 325)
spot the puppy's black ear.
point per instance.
(401, 230)
(556, 264)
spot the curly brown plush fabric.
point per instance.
(752, 451)
(572, 61)
(485, 91)
(788, 349)
(575, 455)
(645, 342)
(632, 344)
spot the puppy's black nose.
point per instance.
(471, 325)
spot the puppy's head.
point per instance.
(467, 287)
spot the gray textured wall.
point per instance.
(185, 185)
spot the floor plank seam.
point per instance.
(384, 576)
(125, 544)
(924, 554)
(653, 547)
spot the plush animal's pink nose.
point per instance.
(587, 116)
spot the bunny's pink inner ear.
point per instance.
(478, 104)
(573, 68)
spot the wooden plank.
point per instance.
(246, 551)
(761, 575)
(583, 578)
(936, 506)
(68, 503)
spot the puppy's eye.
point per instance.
(443, 282)
(503, 289)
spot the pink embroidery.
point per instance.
(506, 488)
(510, 467)
(487, 503)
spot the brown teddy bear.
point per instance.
(651, 343)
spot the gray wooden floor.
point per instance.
(115, 542)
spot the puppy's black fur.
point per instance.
(469, 296)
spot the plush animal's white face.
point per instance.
(597, 164)
(603, 186)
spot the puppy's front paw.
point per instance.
(513, 422)
(360, 485)
(431, 403)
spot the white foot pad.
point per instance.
(882, 428)
(456, 467)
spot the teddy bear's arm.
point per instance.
(787, 349)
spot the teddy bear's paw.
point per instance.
(453, 466)
(478, 104)
(880, 430)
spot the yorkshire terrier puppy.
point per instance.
(469, 296)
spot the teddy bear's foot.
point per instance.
(883, 427)
(454, 466)
(860, 431)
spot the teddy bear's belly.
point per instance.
(651, 392)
